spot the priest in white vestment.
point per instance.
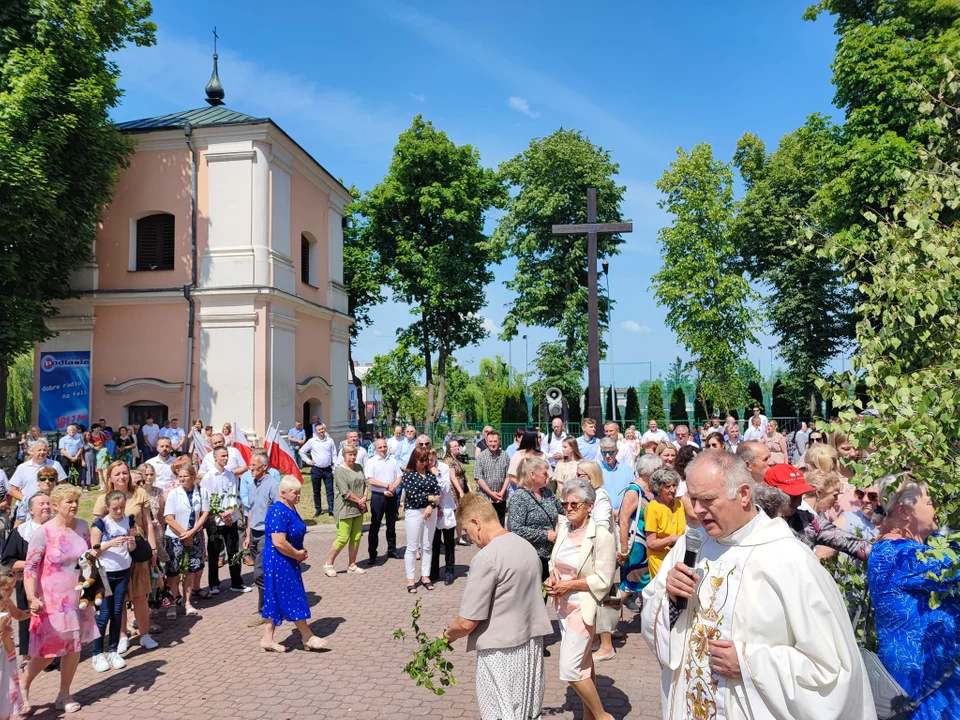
(765, 633)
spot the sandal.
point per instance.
(191, 611)
(315, 643)
(356, 569)
(68, 707)
(275, 647)
(171, 612)
(329, 571)
(428, 585)
(603, 658)
(25, 707)
(202, 594)
(412, 589)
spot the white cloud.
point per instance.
(419, 97)
(377, 333)
(522, 106)
(490, 326)
(634, 327)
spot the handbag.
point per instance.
(889, 698)
(142, 552)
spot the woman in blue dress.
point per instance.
(918, 645)
(283, 595)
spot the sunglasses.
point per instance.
(571, 505)
(423, 444)
(608, 452)
(816, 439)
(872, 496)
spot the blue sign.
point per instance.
(64, 390)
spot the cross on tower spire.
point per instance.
(214, 89)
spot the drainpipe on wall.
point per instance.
(188, 134)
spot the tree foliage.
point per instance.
(678, 406)
(609, 395)
(59, 151)
(908, 337)
(425, 221)
(395, 376)
(700, 283)
(812, 308)
(655, 403)
(631, 412)
(552, 176)
(20, 392)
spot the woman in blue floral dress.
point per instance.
(283, 595)
(918, 645)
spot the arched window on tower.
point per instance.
(155, 242)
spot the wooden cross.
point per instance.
(592, 228)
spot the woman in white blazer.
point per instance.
(581, 572)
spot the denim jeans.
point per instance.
(111, 609)
(320, 476)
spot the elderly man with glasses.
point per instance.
(616, 475)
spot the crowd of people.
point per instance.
(593, 526)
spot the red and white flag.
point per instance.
(281, 454)
(241, 444)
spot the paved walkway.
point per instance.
(212, 667)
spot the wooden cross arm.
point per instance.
(585, 228)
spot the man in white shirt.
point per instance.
(758, 412)
(151, 435)
(177, 436)
(71, 450)
(235, 463)
(383, 475)
(162, 463)
(683, 437)
(320, 453)
(222, 484)
(353, 438)
(23, 484)
(393, 442)
(653, 434)
(755, 430)
(552, 445)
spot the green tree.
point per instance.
(631, 412)
(812, 314)
(702, 407)
(700, 283)
(20, 392)
(609, 394)
(655, 403)
(908, 340)
(362, 278)
(678, 406)
(425, 221)
(552, 176)
(395, 375)
(59, 151)
(679, 376)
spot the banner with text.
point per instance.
(64, 390)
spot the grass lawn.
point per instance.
(305, 507)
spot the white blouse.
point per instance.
(179, 506)
(447, 508)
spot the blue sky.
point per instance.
(345, 79)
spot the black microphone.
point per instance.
(694, 543)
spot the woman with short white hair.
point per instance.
(635, 573)
(582, 564)
(283, 595)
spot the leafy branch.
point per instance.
(428, 660)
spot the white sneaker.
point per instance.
(123, 645)
(100, 663)
(147, 642)
(215, 591)
(116, 662)
(244, 589)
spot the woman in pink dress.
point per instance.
(58, 627)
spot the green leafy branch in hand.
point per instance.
(941, 549)
(428, 660)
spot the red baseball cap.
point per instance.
(787, 478)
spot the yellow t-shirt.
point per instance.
(665, 521)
